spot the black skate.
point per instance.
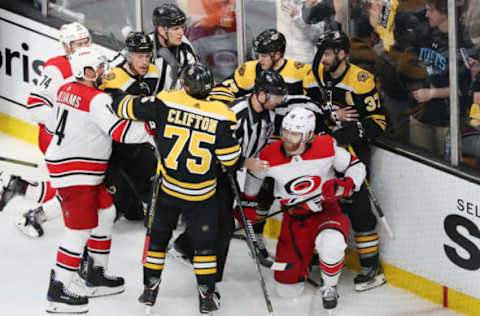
(330, 298)
(61, 300)
(97, 283)
(150, 293)
(369, 278)
(264, 256)
(31, 223)
(209, 300)
(15, 186)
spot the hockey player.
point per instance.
(192, 136)
(56, 72)
(77, 159)
(255, 117)
(356, 118)
(138, 76)
(172, 51)
(270, 49)
(304, 167)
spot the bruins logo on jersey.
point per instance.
(241, 70)
(362, 76)
(298, 65)
(109, 76)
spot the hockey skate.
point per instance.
(265, 258)
(31, 223)
(16, 186)
(149, 295)
(97, 283)
(61, 300)
(330, 298)
(369, 278)
(209, 301)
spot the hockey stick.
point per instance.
(19, 162)
(282, 209)
(251, 240)
(151, 210)
(376, 205)
(272, 265)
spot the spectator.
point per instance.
(429, 126)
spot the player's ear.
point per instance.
(161, 31)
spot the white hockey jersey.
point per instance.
(82, 144)
(301, 177)
(56, 72)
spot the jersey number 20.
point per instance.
(195, 139)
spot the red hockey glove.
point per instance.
(336, 188)
(249, 204)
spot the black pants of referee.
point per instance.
(226, 226)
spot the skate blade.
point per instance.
(148, 310)
(98, 291)
(27, 230)
(214, 313)
(60, 308)
(376, 282)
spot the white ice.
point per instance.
(25, 265)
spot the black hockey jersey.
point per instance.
(119, 80)
(191, 135)
(243, 80)
(356, 88)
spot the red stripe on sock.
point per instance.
(67, 260)
(99, 244)
(331, 270)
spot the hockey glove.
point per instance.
(336, 188)
(350, 133)
(249, 204)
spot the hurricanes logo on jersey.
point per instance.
(303, 185)
(300, 187)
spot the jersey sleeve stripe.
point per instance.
(228, 150)
(37, 98)
(228, 157)
(379, 119)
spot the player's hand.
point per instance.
(423, 95)
(347, 114)
(310, 3)
(290, 9)
(256, 165)
(336, 188)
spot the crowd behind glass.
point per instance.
(404, 43)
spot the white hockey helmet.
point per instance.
(87, 57)
(73, 32)
(300, 120)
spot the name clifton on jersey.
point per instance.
(192, 120)
(69, 99)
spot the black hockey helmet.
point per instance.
(270, 82)
(333, 40)
(199, 79)
(168, 15)
(270, 41)
(139, 42)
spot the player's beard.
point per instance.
(290, 147)
(333, 67)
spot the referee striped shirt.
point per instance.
(253, 129)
